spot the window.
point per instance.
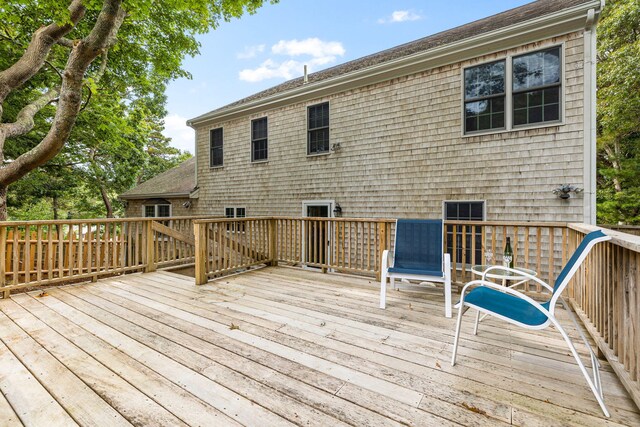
(484, 96)
(235, 213)
(536, 87)
(215, 148)
(530, 85)
(318, 129)
(464, 211)
(159, 210)
(259, 148)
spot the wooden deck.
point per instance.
(278, 346)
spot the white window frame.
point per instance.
(235, 211)
(508, 103)
(155, 210)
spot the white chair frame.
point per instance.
(594, 383)
(387, 261)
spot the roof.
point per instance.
(175, 182)
(508, 18)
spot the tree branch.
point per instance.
(36, 53)
(24, 120)
(101, 37)
(65, 42)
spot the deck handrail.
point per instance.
(605, 292)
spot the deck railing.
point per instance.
(605, 293)
(338, 244)
(34, 253)
(541, 247)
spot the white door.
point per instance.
(317, 234)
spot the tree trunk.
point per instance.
(54, 204)
(107, 202)
(3, 203)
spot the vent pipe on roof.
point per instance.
(306, 78)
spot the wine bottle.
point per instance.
(507, 259)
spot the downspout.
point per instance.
(195, 151)
(590, 139)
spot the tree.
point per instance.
(140, 44)
(619, 113)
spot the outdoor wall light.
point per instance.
(337, 210)
(565, 190)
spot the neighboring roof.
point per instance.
(176, 182)
(511, 17)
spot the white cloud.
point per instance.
(182, 136)
(319, 53)
(250, 51)
(311, 46)
(400, 16)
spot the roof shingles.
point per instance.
(178, 181)
(513, 16)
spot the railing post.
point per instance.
(3, 259)
(273, 240)
(150, 255)
(200, 232)
(382, 239)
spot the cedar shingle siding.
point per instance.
(402, 153)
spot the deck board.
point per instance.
(279, 346)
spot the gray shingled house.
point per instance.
(166, 194)
(482, 122)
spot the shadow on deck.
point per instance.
(279, 346)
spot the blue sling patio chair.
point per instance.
(517, 308)
(417, 256)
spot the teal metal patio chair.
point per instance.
(517, 308)
(417, 256)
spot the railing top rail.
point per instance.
(625, 240)
(507, 223)
(216, 220)
(98, 220)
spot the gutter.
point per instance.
(546, 26)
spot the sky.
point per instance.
(259, 51)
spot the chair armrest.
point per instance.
(387, 259)
(506, 290)
(520, 273)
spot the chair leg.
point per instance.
(596, 390)
(461, 311)
(383, 288)
(392, 282)
(475, 327)
(447, 296)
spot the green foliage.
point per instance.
(117, 140)
(619, 113)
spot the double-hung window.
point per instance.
(215, 148)
(484, 97)
(259, 140)
(318, 128)
(531, 83)
(536, 87)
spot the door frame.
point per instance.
(331, 205)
